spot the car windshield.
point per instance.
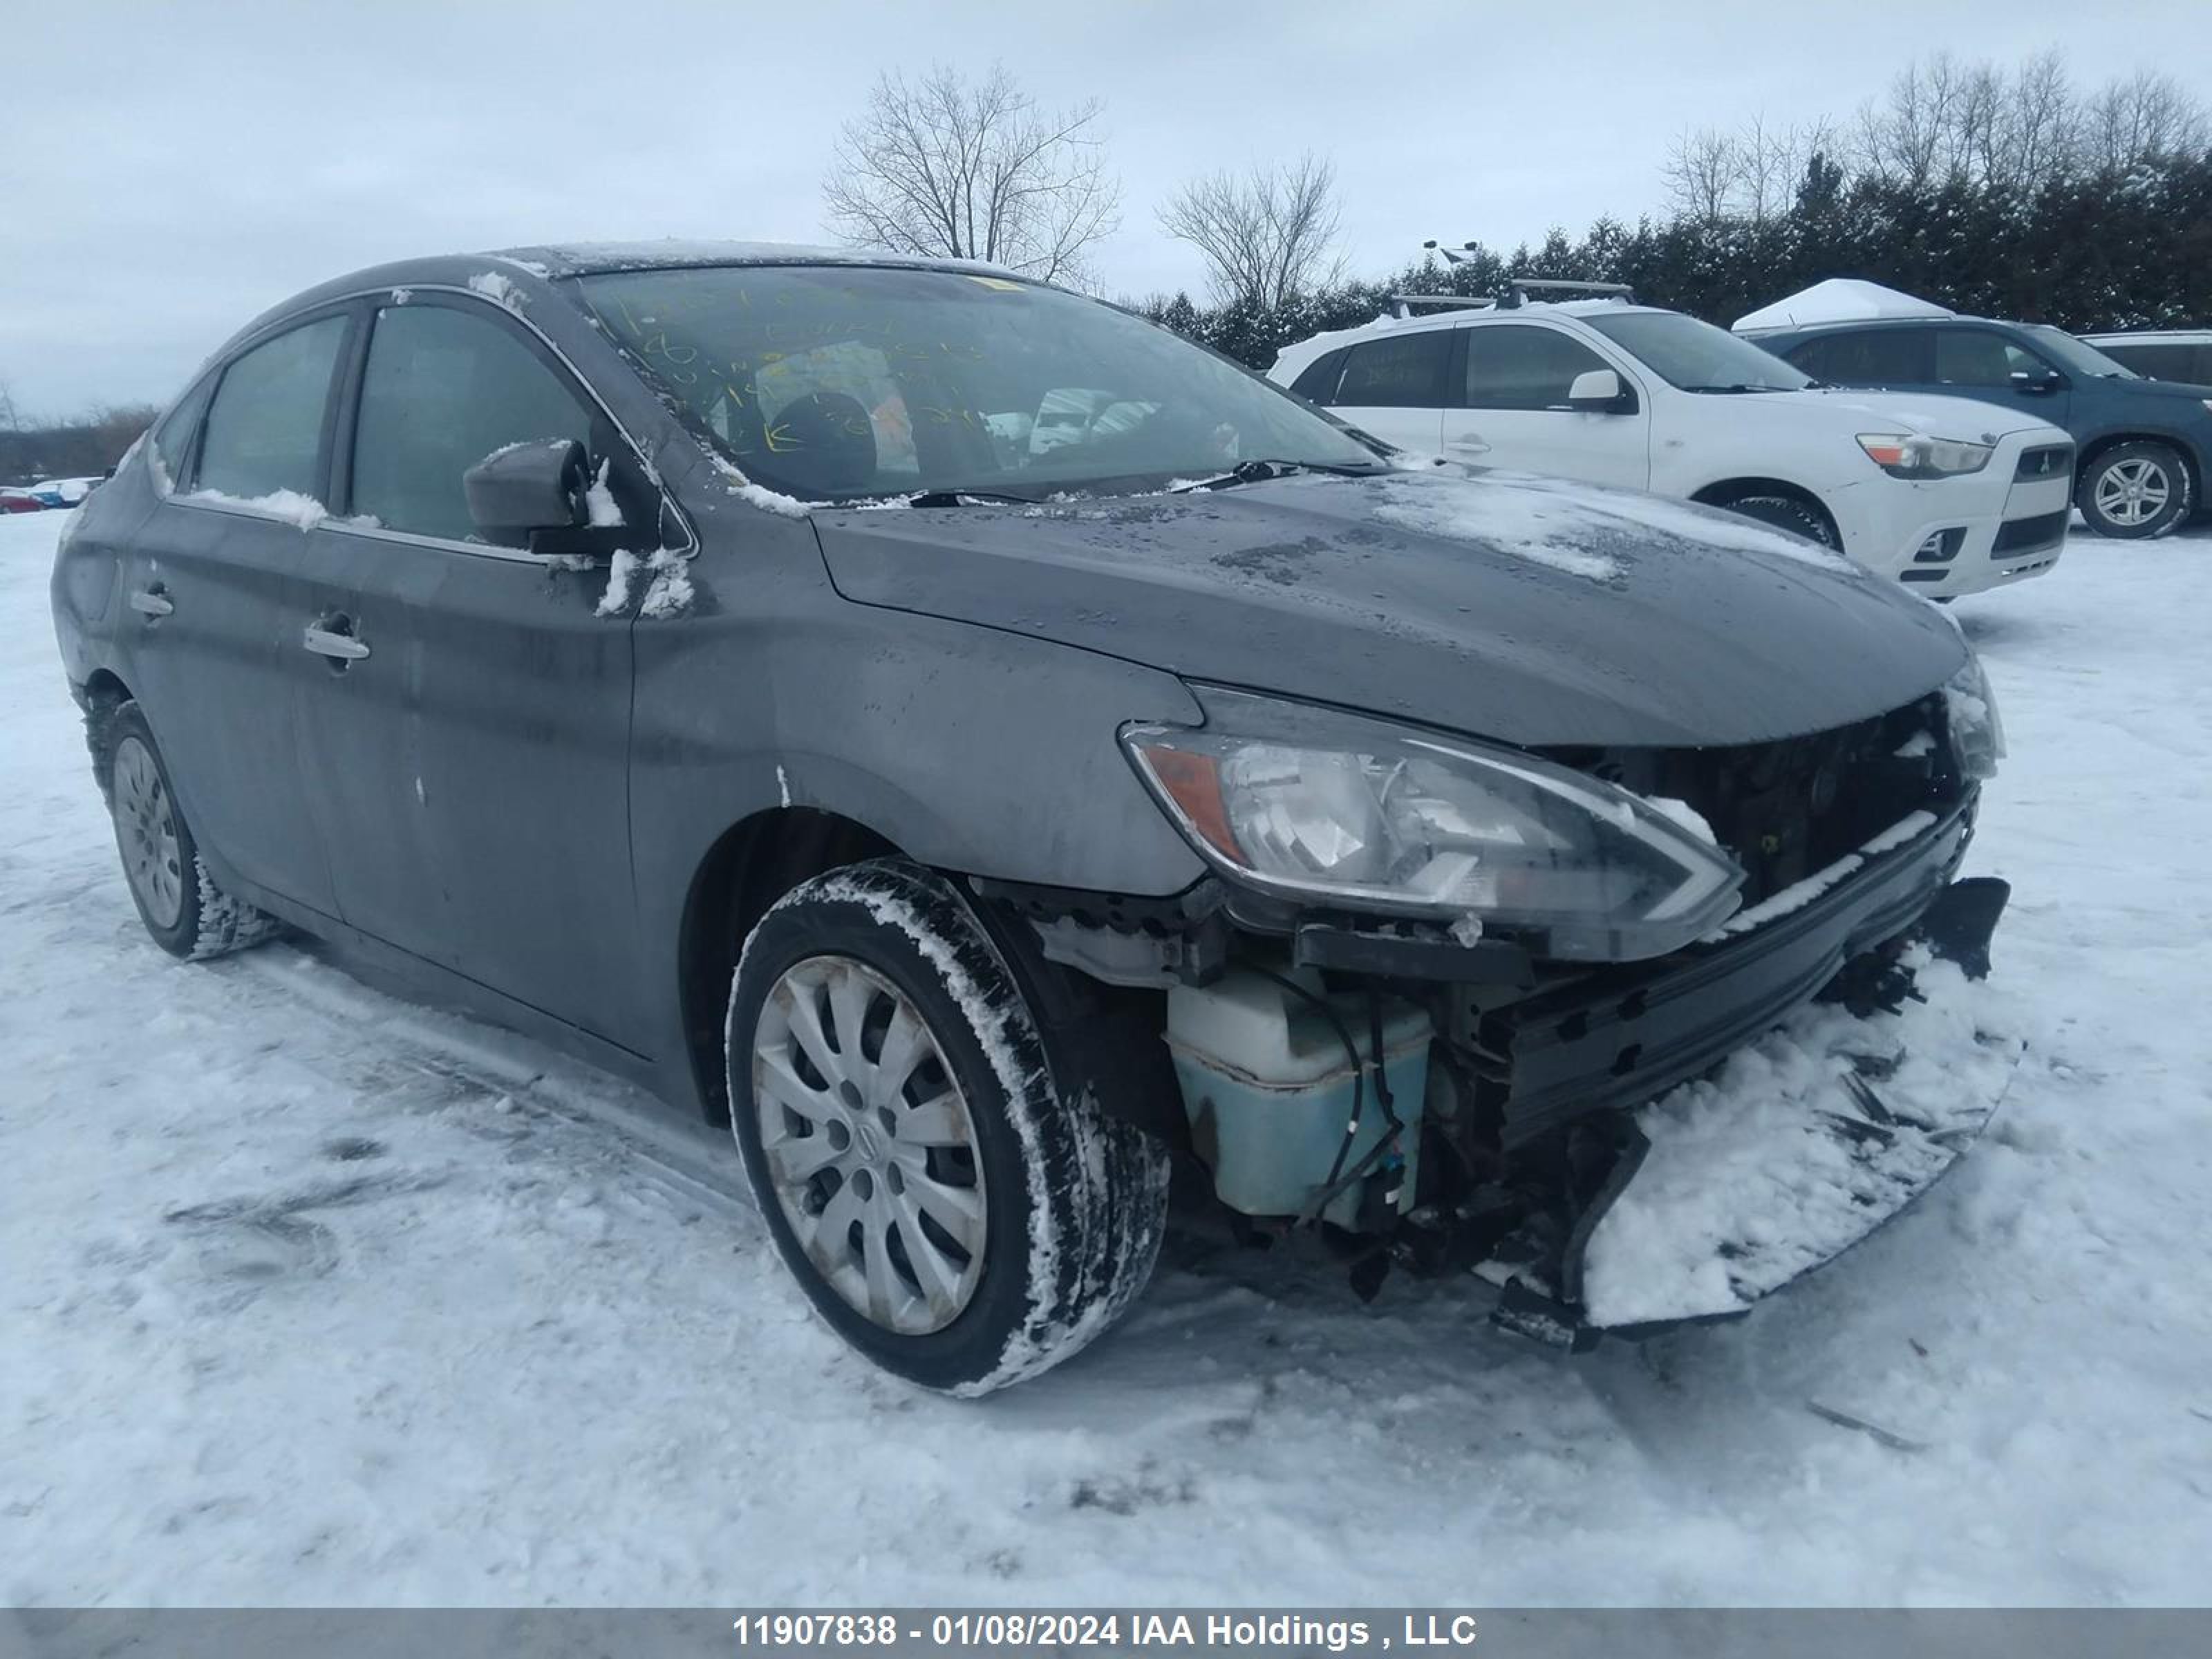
(2077, 356)
(1696, 357)
(848, 382)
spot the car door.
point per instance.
(1513, 408)
(470, 727)
(216, 584)
(1394, 387)
(1971, 362)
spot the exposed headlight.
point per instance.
(1314, 804)
(1908, 455)
(1971, 709)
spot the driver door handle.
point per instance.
(153, 601)
(332, 636)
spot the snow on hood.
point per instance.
(1527, 610)
(1838, 300)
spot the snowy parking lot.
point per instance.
(312, 1296)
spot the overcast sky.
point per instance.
(167, 170)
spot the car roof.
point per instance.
(2152, 336)
(1853, 324)
(1301, 352)
(540, 266)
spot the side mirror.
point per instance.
(2037, 382)
(514, 492)
(1599, 391)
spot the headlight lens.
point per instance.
(1909, 455)
(1315, 804)
(1971, 709)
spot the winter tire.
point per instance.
(1786, 513)
(950, 1211)
(2135, 492)
(183, 908)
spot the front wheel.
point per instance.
(2135, 492)
(947, 1210)
(1786, 513)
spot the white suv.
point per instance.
(1947, 495)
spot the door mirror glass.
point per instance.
(1598, 391)
(528, 487)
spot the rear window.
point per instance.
(1872, 356)
(1404, 372)
(265, 429)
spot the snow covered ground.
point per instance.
(309, 1296)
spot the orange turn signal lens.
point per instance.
(1193, 782)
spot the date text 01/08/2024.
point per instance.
(1246, 1631)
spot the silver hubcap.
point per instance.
(2132, 492)
(146, 831)
(869, 1144)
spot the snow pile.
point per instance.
(290, 505)
(498, 289)
(746, 491)
(1777, 1163)
(1551, 531)
(622, 573)
(668, 594)
(604, 512)
(1838, 300)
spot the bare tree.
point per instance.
(1913, 134)
(8, 417)
(1265, 234)
(1701, 171)
(2146, 116)
(2043, 125)
(943, 166)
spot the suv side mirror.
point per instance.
(1599, 391)
(2037, 382)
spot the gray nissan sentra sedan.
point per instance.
(985, 748)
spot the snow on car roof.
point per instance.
(1838, 300)
(586, 259)
(1301, 352)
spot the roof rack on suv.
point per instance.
(1518, 289)
(1406, 303)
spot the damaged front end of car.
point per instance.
(1636, 1035)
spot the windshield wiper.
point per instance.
(1739, 385)
(959, 497)
(1259, 472)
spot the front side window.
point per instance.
(441, 390)
(1868, 356)
(2162, 362)
(1519, 366)
(843, 382)
(264, 429)
(1402, 372)
(1977, 357)
(1695, 357)
(172, 439)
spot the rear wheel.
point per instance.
(187, 913)
(2135, 492)
(948, 1212)
(1785, 512)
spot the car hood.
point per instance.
(1529, 611)
(1856, 409)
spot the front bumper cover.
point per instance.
(1808, 1140)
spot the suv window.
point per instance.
(1866, 356)
(442, 390)
(1318, 384)
(1975, 356)
(2162, 362)
(1517, 365)
(265, 429)
(1403, 372)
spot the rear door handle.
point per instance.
(153, 601)
(334, 639)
